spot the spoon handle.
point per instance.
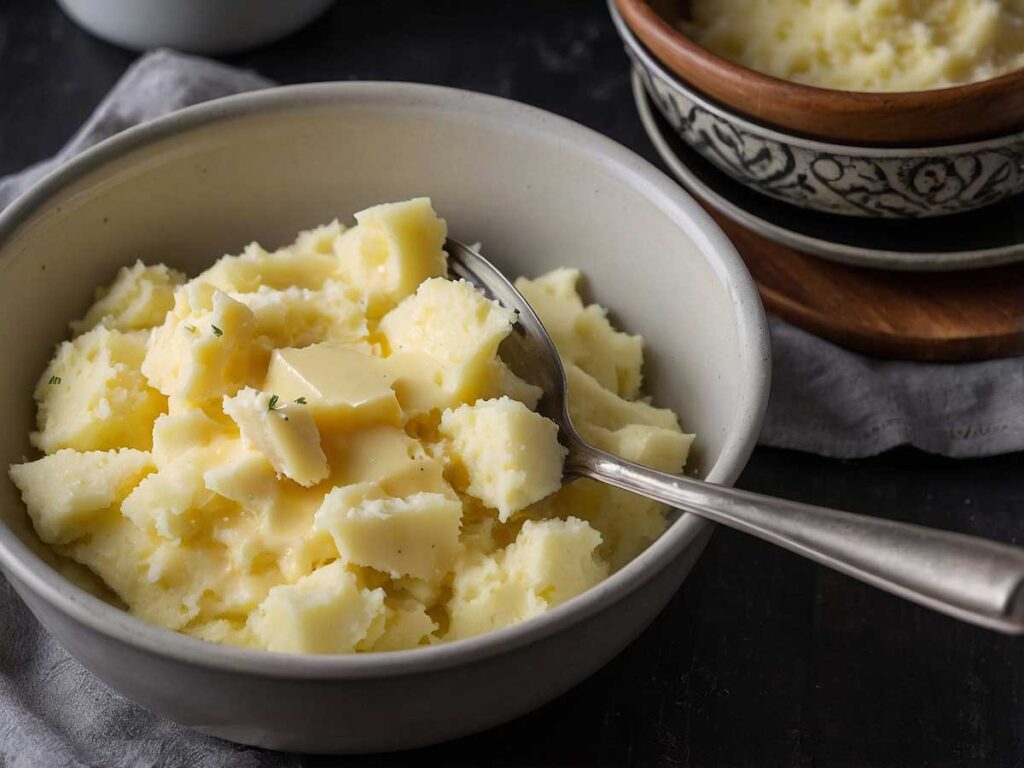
(973, 579)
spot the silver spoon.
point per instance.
(973, 579)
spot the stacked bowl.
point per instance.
(844, 175)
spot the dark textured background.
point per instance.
(762, 659)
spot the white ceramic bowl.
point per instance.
(196, 26)
(539, 191)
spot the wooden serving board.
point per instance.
(927, 316)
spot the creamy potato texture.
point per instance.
(866, 45)
(319, 450)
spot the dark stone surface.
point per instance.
(761, 659)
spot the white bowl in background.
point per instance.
(539, 192)
(195, 26)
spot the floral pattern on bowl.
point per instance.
(855, 181)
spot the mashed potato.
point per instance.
(866, 45)
(318, 449)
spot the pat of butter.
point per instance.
(387, 458)
(349, 388)
(344, 387)
(285, 434)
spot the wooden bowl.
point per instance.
(850, 179)
(941, 116)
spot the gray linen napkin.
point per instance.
(824, 399)
(833, 402)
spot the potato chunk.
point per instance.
(583, 334)
(511, 454)
(627, 523)
(186, 427)
(655, 447)
(590, 403)
(174, 503)
(204, 350)
(325, 612)
(300, 267)
(408, 625)
(298, 317)
(139, 298)
(503, 381)
(556, 558)
(550, 562)
(394, 248)
(66, 491)
(92, 396)
(456, 325)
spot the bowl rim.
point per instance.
(652, 64)
(28, 569)
(855, 101)
(853, 255)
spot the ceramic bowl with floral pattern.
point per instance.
(874, 182)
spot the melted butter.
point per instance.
(418, 382)
(345, 387)
(348, 388)
(386, 457)
(271, 535)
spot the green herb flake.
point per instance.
(217, 331)
(190, 328)
(55, 379)
(273, 403)
(300, 400)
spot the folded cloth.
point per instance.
(830, 401)
(824, 399)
